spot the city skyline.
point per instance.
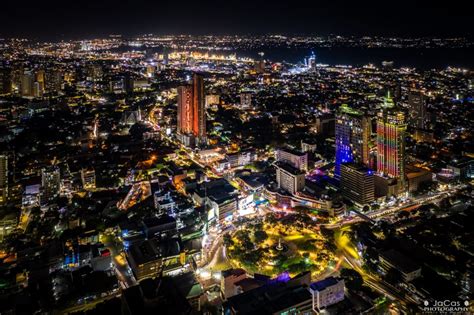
(143, 173)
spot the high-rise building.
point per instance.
(128, 83)
(199, 116)
(50, 184)
(191, 110)
(353, 131)
(3, 179)
(357, 183)
(417, 109)
(289, 178)
(88, 178)
(27, 84)
(391, 129)
(5, 81)
(295, 158)
(185, 112)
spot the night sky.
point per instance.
(86, 19)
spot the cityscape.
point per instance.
(236, 174)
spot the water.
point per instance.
(422, 58)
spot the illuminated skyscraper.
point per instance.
(50, 184)
(417, 109)
(199, 116)
(391, 128)
(353, 131)
(191, 110)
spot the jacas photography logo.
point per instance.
(447, 306)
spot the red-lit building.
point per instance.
(191, 112)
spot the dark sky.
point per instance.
(47, 19)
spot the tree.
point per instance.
(227, 240)
(260, 236)
(352, 279)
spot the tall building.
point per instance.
(50, 184)
(295, 158)
(5, 81)
(353, 131)
(88, 178)
(191, 110)
(289, 178)
(27, 84)
(3, 179)
(128, 83)
(199, 115)
(245, 100)
(417, 109)
(357, 183)
(391, 129)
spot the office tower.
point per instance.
(40, 79)
(245, 100)
(311, 63)
(185, 113)
(5, 81)
(391, 128)
(357, 183)
(27, 84)
(3, 179)
(295, 158)
(50, 184)
(353, 131)
(88, 178)
(199, 119)
(289, 178)
(417, 109)
(54, 80)
(191, 110)
(127, 83)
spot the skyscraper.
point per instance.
(191, 110)
(50, 184)
(353, 131)
(5, 80)
(417, 109)
(27, 84)
(391, 128)
(199, 117)
(3, 179)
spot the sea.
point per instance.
(421, 58)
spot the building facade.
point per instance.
(391, 130)
(357, 183)
(353, 131)
(289, 178)
(191, 110)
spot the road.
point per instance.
(352, 259)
